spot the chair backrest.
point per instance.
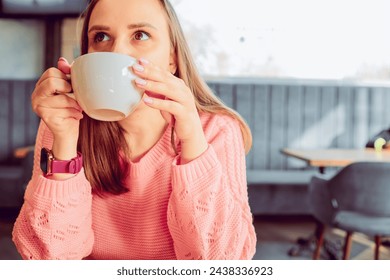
(363, 187)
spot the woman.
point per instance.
(167, 182)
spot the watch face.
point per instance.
(44, 160)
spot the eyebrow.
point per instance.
(130, 26)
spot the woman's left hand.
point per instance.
(178, 106)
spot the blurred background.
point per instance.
(299, 39)
(303, 73)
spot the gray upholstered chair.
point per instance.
(356, 199)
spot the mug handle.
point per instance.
(64, 66)
(71, 95)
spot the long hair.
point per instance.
(102, 142)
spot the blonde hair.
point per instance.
(99, 167)
(205, 99)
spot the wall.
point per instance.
(21, 49)
(71, 29)
(304, 114)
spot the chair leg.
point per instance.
(320, 233)
(347, 246)
(377, 246)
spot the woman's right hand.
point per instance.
(50, 102)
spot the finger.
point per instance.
(55, 102)
(52, 73)
(166, 105)
(154, 79)
(61, 101)
(53, 86)
(170, 89)
(154, 95)
(63, 65)
(167, 116)
(147, 70)
(52, 115)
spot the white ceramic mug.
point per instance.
(103, 85)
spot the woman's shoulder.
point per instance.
(215, 123)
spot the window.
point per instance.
(26, 39)
(42, 7)
(324, 39)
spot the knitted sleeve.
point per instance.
(208, 212)
(55, 220)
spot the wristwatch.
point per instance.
(50, 165)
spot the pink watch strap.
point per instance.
(72, 166)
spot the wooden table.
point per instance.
(322, 158)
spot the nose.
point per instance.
(122, 45)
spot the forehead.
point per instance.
(125, 12)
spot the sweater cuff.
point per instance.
(62, 189)
(197, 169)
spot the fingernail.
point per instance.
(140, 81)
(148, 100)
(62, 59)
(144, 61)
(138, 67)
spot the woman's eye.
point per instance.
(101, 37)
(141, 36)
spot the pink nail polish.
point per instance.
(138, 67)
(140, 82)
(148, 100)
(144, 61)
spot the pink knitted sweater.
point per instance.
(198, 210)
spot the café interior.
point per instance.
(318, 172)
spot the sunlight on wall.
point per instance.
(314, 138)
